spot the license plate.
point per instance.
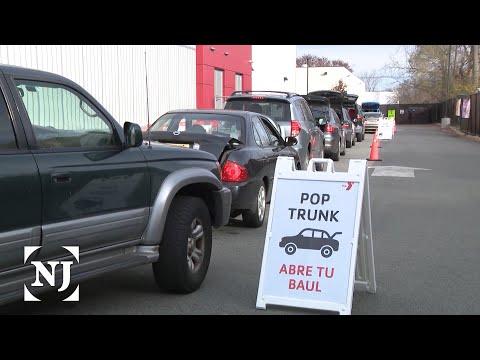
(181, 145)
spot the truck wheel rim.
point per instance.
(195, 245)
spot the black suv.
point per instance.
(291, 112)
(73, 177)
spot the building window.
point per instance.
(238, 82)
(218, 88)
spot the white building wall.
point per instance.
(383, 97)
(325, 78)
(271, 64)
(115, 74)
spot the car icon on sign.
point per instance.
(311, 239)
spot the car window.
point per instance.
(307, 233)
(274, 139)
(299, 108)
(306, 111)
(62, 118)
(334, 117)
(263, 138)
(321, 234)
(7, 135)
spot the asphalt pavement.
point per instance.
(425, 232)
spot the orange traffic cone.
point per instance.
(375, 138)
(374, 151)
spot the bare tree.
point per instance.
(341, 86)
(371, 79)
(317, 61)
(422, 72)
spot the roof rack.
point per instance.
(289, 94)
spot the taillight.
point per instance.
(345, 126)
(329, 128)
(295, 128)
(234, 172)
(359, 118)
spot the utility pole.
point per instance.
(307, 75)
(475, 65)
(448, 73)
(445, 122)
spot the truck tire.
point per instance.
(184, 253)
(255, 218)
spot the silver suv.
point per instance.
(291, 112)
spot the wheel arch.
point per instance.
(196, 182)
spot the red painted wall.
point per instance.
(237, 61)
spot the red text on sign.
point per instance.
(296, 270)
(307, 285)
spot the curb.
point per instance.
(461, 133)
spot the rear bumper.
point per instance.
(359, 129)
(244, 195)
(329, 143)
(223, 202)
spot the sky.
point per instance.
(360, 57)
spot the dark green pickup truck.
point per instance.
(70, 175)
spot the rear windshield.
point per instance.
(215, 124)
(319, 111)
(277, 110)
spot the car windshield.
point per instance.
(203, 123)
(372, 115)
(278, 110)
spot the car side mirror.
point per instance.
(133, 134)
(291, 141)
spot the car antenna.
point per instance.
(148, 109)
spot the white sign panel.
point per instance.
(385, 129)
(312, 235)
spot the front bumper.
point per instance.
(222, 200)
(371, 126)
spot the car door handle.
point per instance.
(61, 178)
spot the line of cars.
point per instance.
(254, 128)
